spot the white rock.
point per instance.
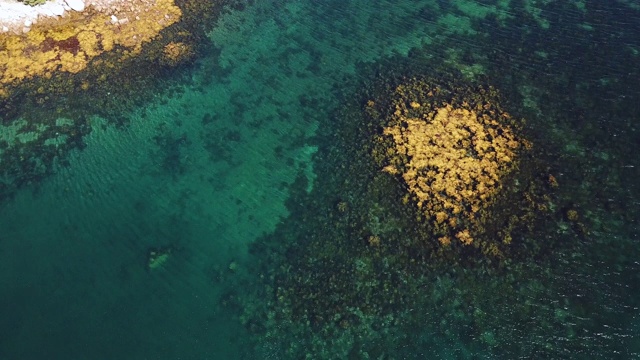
(27, 23)
(77, 5)
(57, 9)
(114, 19)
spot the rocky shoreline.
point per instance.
(18, 17)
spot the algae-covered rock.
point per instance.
(456, 151)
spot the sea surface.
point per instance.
(168, 236)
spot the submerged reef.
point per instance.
(426, 182)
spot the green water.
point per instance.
(207, 172)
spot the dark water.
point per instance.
(237, 175)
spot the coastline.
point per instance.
(38, 42)
(17, 17)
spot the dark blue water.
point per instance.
(251, 180)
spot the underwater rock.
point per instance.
(459, 156)
(157, 257)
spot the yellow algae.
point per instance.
(452, 157)
(89, 42)
(176, 52)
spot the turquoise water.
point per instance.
(238, 175)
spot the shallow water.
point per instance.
(207, 172)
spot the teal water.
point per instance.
(232, 174)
